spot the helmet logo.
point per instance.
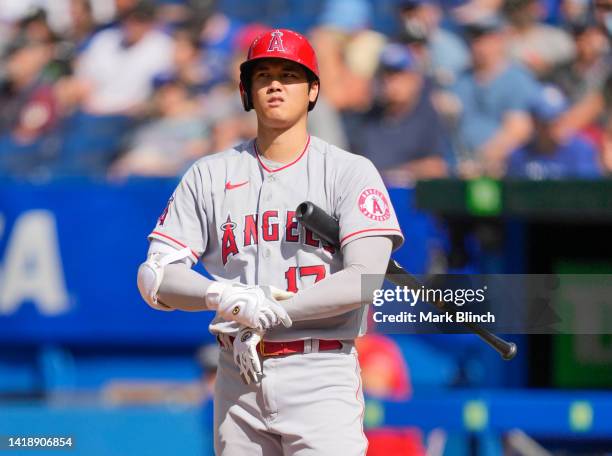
(276, 42)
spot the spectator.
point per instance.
(82, 24)
(218, 36)
(222, 108)
(28, 107)
(494, 98)
(592, 63)
(544, 157)
(592, 107)
(574, 13)
(347, 52)
(110, 89)
(402, 134)
(541, 47)
(118, 67)
(444, 53)
(27, 104)
(187, 59)
(35, 27)
(174, 139)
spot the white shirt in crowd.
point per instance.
(121, 76)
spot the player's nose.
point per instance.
(275, 85)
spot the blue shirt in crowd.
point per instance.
(391, 141)
(575, 159)
(485, 104)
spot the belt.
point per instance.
(267, 348)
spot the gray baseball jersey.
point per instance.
(237, 215)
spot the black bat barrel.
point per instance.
(319, 221)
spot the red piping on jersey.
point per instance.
(369, 229)
(282, 167)
(175, 241)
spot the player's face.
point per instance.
(281, 92)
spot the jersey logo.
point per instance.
(162, 217)
(230, 186)
(276, 42)
(268, 226)
(228, 243)
(373, 204)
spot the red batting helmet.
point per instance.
(278, 44)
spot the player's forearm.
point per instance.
(341, 292)
(183, 288)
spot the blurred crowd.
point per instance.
(503, 88)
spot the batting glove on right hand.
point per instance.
(246, 356)
(248, 305)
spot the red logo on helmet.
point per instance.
(276, 42)
(373, 204)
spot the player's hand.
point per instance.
(237, 302)
(246, 356)
(250, 306)
(274, 313)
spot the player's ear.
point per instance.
(313, 91)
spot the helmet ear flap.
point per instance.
(246, 99)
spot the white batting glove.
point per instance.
(250, 306)
(246, 356)
(274, 314)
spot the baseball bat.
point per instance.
(327, 228)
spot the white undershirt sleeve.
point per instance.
(182, 288)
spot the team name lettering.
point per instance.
(250, 229)
(228, 242)
(291, 231)
(271, 225)
(270, 230)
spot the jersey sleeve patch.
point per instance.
(374, 205)
(164, 214)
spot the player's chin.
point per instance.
(278, 119)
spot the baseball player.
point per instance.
(288, 306)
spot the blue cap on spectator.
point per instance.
(396, 57)
(549, 104)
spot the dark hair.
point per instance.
(143, 11)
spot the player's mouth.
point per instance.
(275, 101)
